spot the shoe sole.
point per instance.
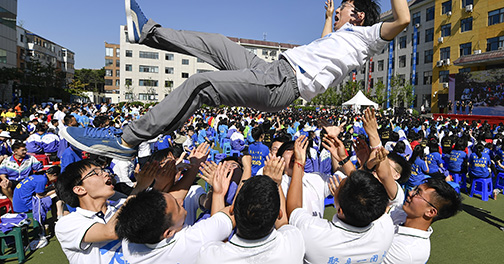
(129, 22)
(94, 150)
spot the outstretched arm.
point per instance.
(400, 10)
(329, 6)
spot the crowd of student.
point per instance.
(390, 176)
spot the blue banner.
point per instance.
(413, 76)
(389, 76)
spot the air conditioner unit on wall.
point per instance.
(469, 8)
(477, 52)
(439, 63)
(440, 39)
(449, 13)
(445, 85)
(447, 62)
(417, 25)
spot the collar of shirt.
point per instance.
(246, 243)
(413, 232)
(19, 162)
(92, 215)
(349, 228)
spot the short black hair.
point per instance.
(257, 207)
(17, 145)
(370, 7)
(257, 132)
(446, 199)
(285, 146)
(69, 178)
(143, 219)
(362, 198)
(403, 163)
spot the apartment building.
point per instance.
(148, 74)
(112, 68)
(8, 15)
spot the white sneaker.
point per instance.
(39, 243)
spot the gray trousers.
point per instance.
(243, 79)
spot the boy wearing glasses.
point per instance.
(87, 235)
(243, 78)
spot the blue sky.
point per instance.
(84, 25)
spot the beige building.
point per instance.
(148, 74)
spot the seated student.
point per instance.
(16, 168)
(258, 150)
(34, 141)
(87, 235)
(259, 204)
(50, 144)
(431, 201)
(34, 185)
(162, 235)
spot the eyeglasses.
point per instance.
(416, 192)
(96, 171)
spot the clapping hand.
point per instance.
(274, 168)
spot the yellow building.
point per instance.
(469, 36)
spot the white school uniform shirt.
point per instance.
(410, 245)
(315, 190)
(184, 246)
(337, 242)
(284, 245)
(71, 229)
(325, 62)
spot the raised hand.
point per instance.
(329, 6)
(274, 168)
(221, 178)
(145, 177)
(332, 130)
(336, 147)
(369, 121)
(362, 150)
(333, 184)
(300, 149)
(208, 169)
(200, 154)
(165, 179)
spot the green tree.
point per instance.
(380, 93)
(95, 79)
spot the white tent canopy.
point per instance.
(360, 99)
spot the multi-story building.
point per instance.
(148, 74)
(8, 14)
(31, 46)
(112, 68)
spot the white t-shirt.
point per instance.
(315, 190)
(71, 229)
(410, 245)
(284, 245)
(327, 61)
(182, 248)
(331, 241)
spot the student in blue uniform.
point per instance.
(258, 150)
(479, 163)
(33, 185)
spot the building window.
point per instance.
(496, 16)
(7, 18)
(427, 77)
(148, 82)
(21, 38)
(428, 54)
(168, 70)
(168, 56)
(429, 15)
(465, 70)
(465, 49)
(118, 73)
(402, 42)
(466, 3)
(444, 53)
(151, 69)
(108, 73)
(402, 61)
(118, 52)
(273, 53)
(444, 76)
(128, 96)
(143, 96)
(202, 70)
(109, 52)
(129, 67)
(118, 63)
(108, 82)
(416, 18)
(466, 24)
(429, 34)
(254, 51)
(198, 60)
(446, 30)
(129, 53)
(168, 84)
(380, 65)
(149, 55)
(185, 62)
(109, 62)
(495, 43)
(446, 7)
(128, 82)
(265, 52)
(3, 56)
(117, 82)
(185, 75)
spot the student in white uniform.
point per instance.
(256, 209)
(87, 235)
(431, 201)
